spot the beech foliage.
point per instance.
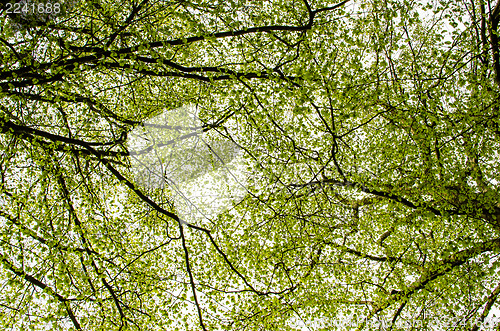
(367, 134)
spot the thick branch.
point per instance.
(365, 189)
(489, 304)
(191, 279)
(87, 246)
(25, 132)
(102, 53)
(494, 20)
(441, 268)
(19, 272)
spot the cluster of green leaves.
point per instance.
(370, 128)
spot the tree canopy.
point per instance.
(367, 133)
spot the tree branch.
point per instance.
(494, 20)
(191, 279)
(439, 269)
(489, 304)
(19, 272)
